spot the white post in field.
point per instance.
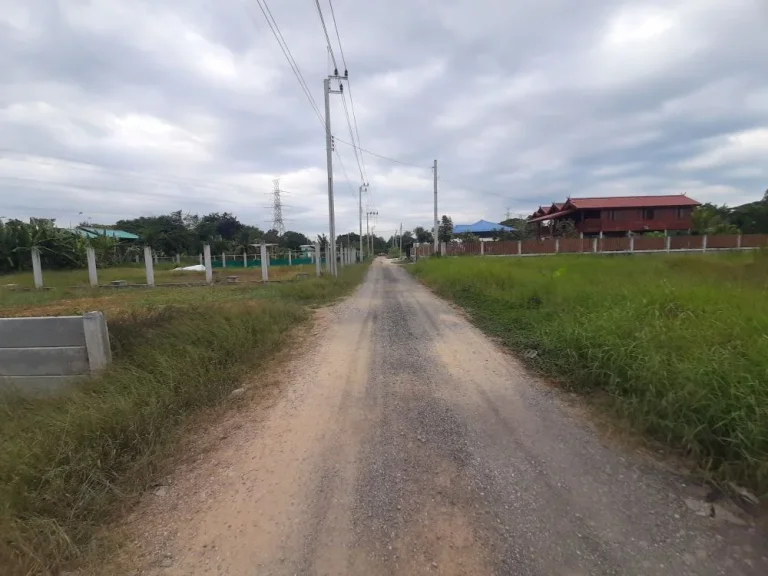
(245, 259)
(519, 247)
(442, 248)
(738, 242)
(154, 257)
(148, 266)
(37, 268)
(482, 248)
(178, 259)
(594, 245)
(264, 263)
(317, 258)
(557, 245)
(290, 259)
(632, 243)
(704, 243)
(201, 259)
(93, 277)
(208, 266)
(341, 256)
(668, 243)
(96, 341)
(223, 259)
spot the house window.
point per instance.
(612, 214)
(681, 213)
(648, 213)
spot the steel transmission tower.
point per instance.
(277, 209)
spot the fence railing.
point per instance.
(613, 245)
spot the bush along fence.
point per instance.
(618, 245)
(347, 257)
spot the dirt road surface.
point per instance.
(403, 441)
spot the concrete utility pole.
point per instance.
(370, 239)
(360, 208)
(436, 224)
(333, 268)
(401, 239)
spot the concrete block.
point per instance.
(41, 332)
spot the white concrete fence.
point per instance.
(42, 355)
(150, 260)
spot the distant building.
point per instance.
(617, 216)
(482, 229)
(90, 232)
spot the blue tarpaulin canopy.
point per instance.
(481, 227)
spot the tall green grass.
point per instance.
(680, 342)
(68, 462)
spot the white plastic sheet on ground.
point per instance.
(195, 268)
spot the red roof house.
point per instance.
(619, 215)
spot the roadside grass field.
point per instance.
(70, 461)
(679, 343)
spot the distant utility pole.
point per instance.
(401, 239)
(329, 154)
(367, 230)
(277, 209)
(360, 208)
(434, 169)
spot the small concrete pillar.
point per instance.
(178, 259)
(201, 259)
(482, 248)
(37, 268)
(290, 259)
(148, 266)
(581, 235)
(519, 247)
(594, 245)
(704, 243)
(154, 257)
(208, 265)
(557, 245)
(223, 259)
(264, 263)
(738, 241)
(632, 243)
(667, 243)
(93, 277)
(442, 248)
(318, 258)
(341, 256)
(96, 341)
(245, 259)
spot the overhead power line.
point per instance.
(381, 155)
(273, 26)
(327, 38)
(349, 85)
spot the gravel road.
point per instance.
(403, 441)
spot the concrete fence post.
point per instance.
(631, 243)
(738, 241)
(137, 259)
(318, 258)
(264, 263)
(93, 277)
(442, 248)
(519, 247)
(208, 265)
(148, 266)
(482, 248)
(594, 245)
(178, 259)
(96, 341)
(667, 243)
(37, 268)
(154, 257)
(290, 259)
(223, 259)
(581, 235)
(557, 245)
(201, 259)
(245, 259)
(704, 243)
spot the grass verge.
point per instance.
(67, 463)
(680, 343)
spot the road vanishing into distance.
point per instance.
(401, 440)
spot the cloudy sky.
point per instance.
(122, 108)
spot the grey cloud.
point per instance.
(521, 102)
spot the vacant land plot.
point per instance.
(136, 274)
(679, 342)
(68, 462)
